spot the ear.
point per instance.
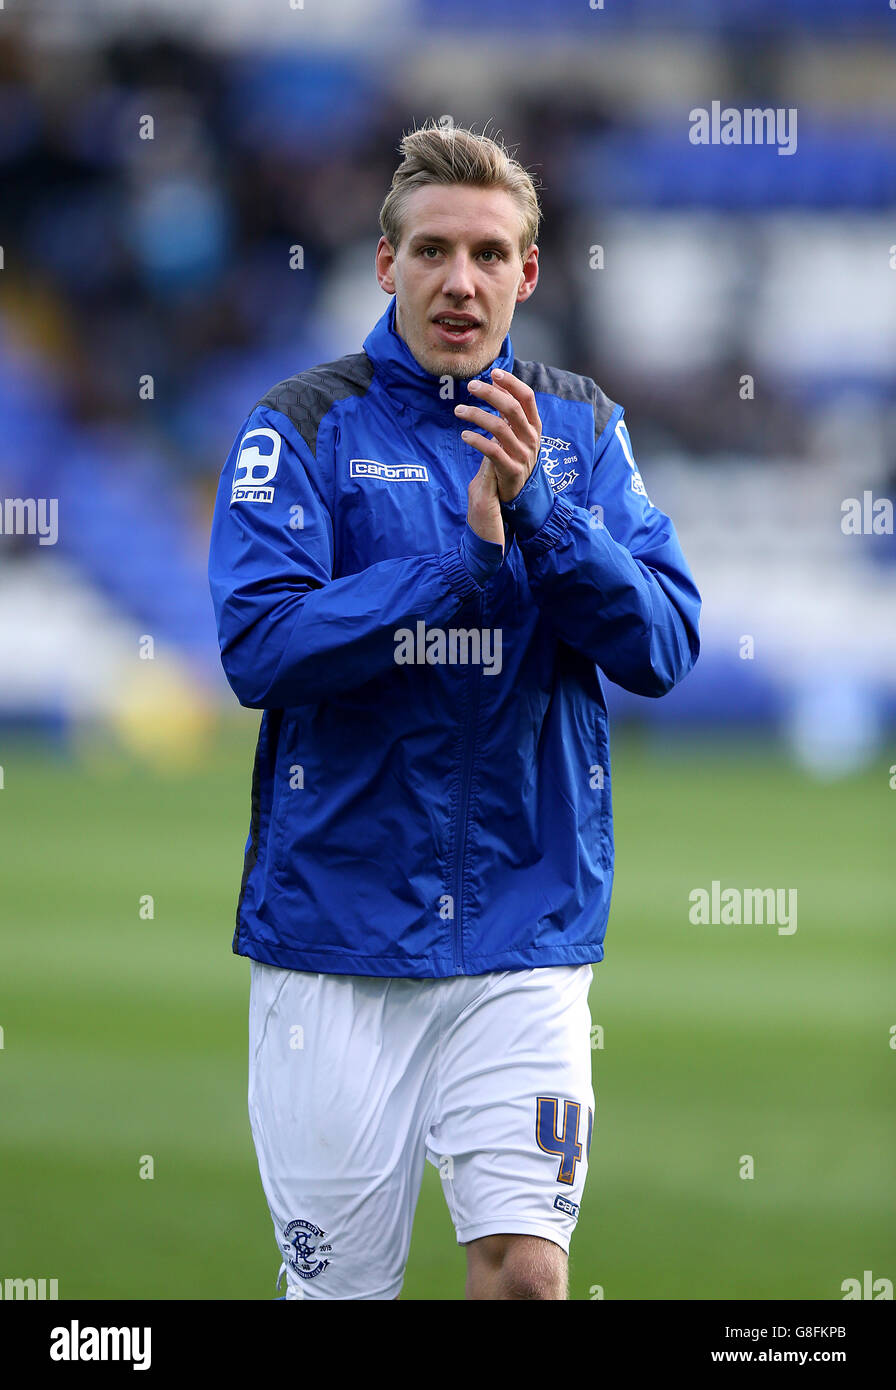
(528, 275)
(385, 265)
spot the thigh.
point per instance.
(338, 1081)
(515, 1107)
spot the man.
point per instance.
(421, 554)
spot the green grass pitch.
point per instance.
(125, 1037)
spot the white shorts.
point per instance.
(354, 1081)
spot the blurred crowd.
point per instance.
(186, 223)
(157, 192)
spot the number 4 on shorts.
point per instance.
(565, 1143)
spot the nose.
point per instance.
(458, 282)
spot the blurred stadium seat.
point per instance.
(168, 260)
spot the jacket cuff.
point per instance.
(457, 574)
(482, 558)
(530, 509)
(551, 532)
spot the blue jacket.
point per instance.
(431, 791)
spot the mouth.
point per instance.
(457, 328)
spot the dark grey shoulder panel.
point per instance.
(305, 398)
(552, 381)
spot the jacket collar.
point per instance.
(402, 377)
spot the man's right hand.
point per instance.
(484, 505)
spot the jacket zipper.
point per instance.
(463, 805)
(466, 772)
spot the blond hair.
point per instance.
(450, 154)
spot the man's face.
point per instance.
(458, 257)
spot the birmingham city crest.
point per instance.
(556, 460)
(303, 1243)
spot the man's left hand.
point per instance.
(516, 430)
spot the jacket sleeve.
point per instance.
(290, 633)
(611, 577)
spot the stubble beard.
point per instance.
(442, 362)
(461, 366)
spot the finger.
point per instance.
(502, 429)
(504, 402)
(489, 447)
(521, 392)
(508, 472)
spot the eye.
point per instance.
(496, 254)
(424, 249)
